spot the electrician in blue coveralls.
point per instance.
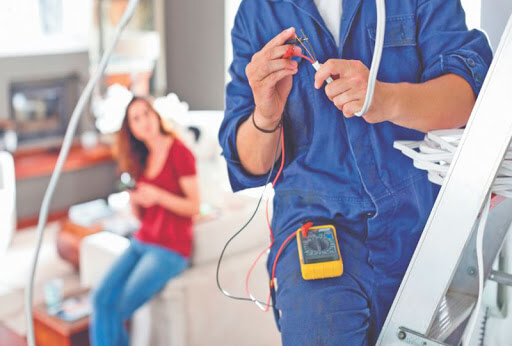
(339, 167)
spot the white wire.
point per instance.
(377, 55)
(66, 144)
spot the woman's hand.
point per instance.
(270, 78)
(348, 90)
(145, 195)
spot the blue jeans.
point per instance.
(140, 273)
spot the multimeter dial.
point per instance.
(319, 246)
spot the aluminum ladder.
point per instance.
(439, 290)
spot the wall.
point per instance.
(495, 14)
(194, 38)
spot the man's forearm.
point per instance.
(257, 149)
(442, 103)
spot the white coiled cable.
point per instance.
(66, 144)
(435, 153)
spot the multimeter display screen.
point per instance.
(319, 246)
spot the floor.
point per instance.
(15, 267)
(10, 338)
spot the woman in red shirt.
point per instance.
(165, 199)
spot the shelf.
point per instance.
(36, 163)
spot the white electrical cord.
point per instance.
(435, 154)
(66, 144)
(377, 55)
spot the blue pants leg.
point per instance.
(147, 276)
(106, 323)
(324, 312)
(344, 311)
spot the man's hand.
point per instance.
(348, 90)
(270, 78)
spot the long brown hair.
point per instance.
(131, 153)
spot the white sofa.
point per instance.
(7, 200)
(191, 310)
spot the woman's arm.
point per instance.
(188, 205)
(148, 195)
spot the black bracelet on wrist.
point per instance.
(263, 130)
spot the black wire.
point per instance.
(309, 45)
(245, 226)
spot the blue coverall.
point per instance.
(345, 169)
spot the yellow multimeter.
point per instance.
(319, 252)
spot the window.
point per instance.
(473, 10)
(28, 24)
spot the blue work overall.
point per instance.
(345, 169)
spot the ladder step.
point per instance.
(454, 309)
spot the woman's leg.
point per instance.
(106, 322)
(153, 270)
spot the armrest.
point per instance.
(97, 253)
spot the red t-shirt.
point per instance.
(160, 226)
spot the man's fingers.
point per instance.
(279, 51)
(281, 38)
(324, 72)
(332, 67)
(337, 87)
(272, 79)
(273, 66)
(345, 98)
(351, 108)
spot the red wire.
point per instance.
(268, 223)
(269, 226)
(249, 275)
(305, 57)
(277, 257)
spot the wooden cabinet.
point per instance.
(52, 331)
(87, 174)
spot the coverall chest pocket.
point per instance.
(400, 31)
(400, 57)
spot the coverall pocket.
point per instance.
(400, 48)
(400, 31)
